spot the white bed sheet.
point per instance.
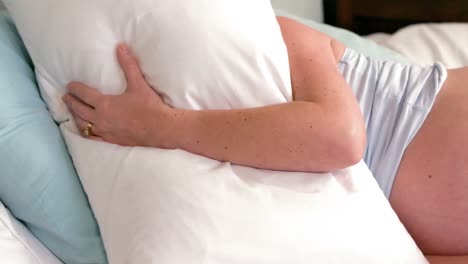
(18, 245)
(428, 43)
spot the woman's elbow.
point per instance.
(343, 140)
(344, 148)
(347, 142)
(357, 146)
(353, 144)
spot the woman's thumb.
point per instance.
(130, 66)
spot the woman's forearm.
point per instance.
(298, 136)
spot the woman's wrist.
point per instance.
(171, 126)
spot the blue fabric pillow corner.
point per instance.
(38, 182)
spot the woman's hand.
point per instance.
(125, 119)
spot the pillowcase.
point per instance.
(18, 245)
(170, 206)
(38, 182)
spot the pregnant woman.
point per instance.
(409, 123)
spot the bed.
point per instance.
(426, 43)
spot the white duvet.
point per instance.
(170, 206)
(18, 245)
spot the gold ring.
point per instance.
(88, 130)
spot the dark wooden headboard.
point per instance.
(369, 16)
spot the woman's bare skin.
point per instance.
(447, 259)
(430, 193)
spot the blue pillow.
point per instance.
(38, 182)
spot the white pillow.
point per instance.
(76, 40)
(428, 43)
(170, 206)
(175, 207)
(18, 245)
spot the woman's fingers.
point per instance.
(79, 109)
(82, 125)
(130, 67)
(86, 94)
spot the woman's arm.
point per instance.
(322, 130)
(298, 136)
